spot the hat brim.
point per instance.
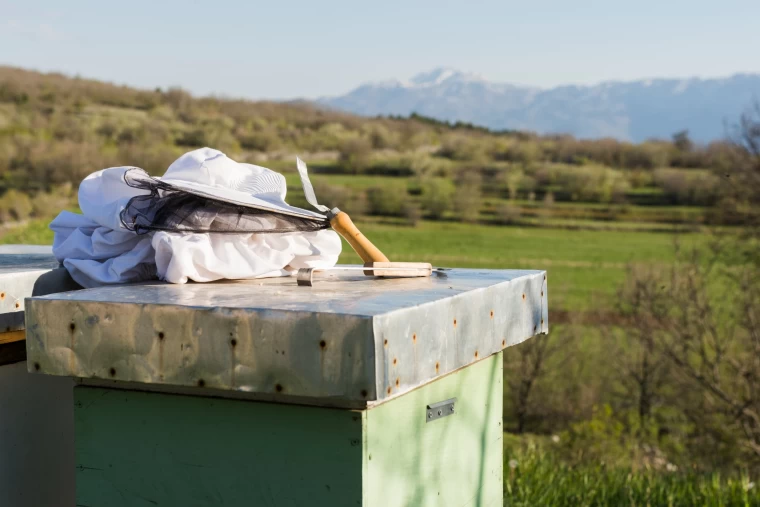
(241, 199)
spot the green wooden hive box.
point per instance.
(353, 392)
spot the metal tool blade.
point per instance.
(304, 276)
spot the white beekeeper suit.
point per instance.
(98, 250)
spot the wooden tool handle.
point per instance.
(343, 225)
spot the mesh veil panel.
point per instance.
(165, 208)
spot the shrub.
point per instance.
(463, 148)
(380, 137)
(177, 98)
(548, 199)
(15, 205)
(649, 155)
(386, 200)
(351, 201)
(223, 140)
(684, 186)
(507, 213)
(467, 197)
(49, 204)
(512, 180)
(155, 159)
(192, 138)
(526, 153)
(412, 213)
(355, 155)
(260, 140)
(424, 166)
(592, 183)
(44, 164)
(437, 195)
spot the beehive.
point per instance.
(356, 391)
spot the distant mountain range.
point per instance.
(634, 111)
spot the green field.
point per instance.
(585, 266)
(533, 476)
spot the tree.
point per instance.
(387, 200)
(704, 319)
(513, 178)
(702, 315)
(642, 370)
(507, 213)
(526, 366)
(467, 196)
(356, 155)
(682, 141)
(740, 171)
(436, 196)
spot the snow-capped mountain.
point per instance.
(635, 111)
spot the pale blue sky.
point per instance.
(299, 48)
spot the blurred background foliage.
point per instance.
(647, 390)
(54, 130)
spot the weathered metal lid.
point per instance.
(20, 267)
(348, 341)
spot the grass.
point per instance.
(585, 266)
(585, 254)
(535, 476)
(598, 225)
(33, 232)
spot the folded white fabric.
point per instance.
(95, 255)
(209, 257)
(97, 250)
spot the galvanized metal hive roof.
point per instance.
(348, 341)
(20, 267)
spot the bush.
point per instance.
(41, 165)
(525, 153)
(192, 138)
(380, 137)
(424, 166)
(592, 183)
(467, 197)
(14, 206)
(412, 213)
(351, 201)
(260, 140)
(355, 155)
(49, 204)
(54, 129)
(548, 201)
(649, 155)
(155, 159)
(437, 195)
(683, 186)
(463, 148)
(512, 180)
(223, 140)
(507, 213)
(387, 200)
